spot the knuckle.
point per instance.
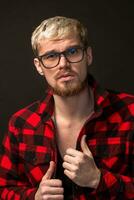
(78, 162)
(65, 157)
(64, 164)
(68, 151)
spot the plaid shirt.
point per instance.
(30, 145)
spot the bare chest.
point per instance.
(67, 137)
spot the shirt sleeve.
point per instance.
(119, 185)
(116, 185)
(14, 183)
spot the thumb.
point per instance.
(50, 170)
(84, 147)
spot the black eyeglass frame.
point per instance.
(64, 54)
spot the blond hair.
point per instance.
(58, 27)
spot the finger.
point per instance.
(52, 182)
(53, 190)
(54, 197)
(84, 147)
(69, 166)
(70, 159)
(70, 175)
(73, 152)
(50, 171)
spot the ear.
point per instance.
(89, 55)
(38, 66)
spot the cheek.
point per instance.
(82, 70)
(84, 73)
(49, 77)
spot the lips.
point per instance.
(65, 75)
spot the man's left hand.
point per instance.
(80, 166)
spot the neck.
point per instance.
(75, 107)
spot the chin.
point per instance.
(69, 89)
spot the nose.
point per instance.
(63, 62)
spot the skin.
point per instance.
(50, 188)
(78, 166)
(77, 73)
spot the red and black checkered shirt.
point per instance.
(30, 145)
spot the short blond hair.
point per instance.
(58, 27)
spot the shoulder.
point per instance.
(25, 115)
(121, 96)
(122, 101)
(31, 115)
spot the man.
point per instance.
(78, 142)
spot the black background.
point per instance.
(111, 27)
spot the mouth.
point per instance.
(66, 77)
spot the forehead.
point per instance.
(45, 45)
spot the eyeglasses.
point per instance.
(73, 55)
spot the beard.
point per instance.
(70, 88)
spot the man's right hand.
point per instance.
(50, 188)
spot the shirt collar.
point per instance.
(100, 94)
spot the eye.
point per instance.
(72, 51)
(50, 56)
